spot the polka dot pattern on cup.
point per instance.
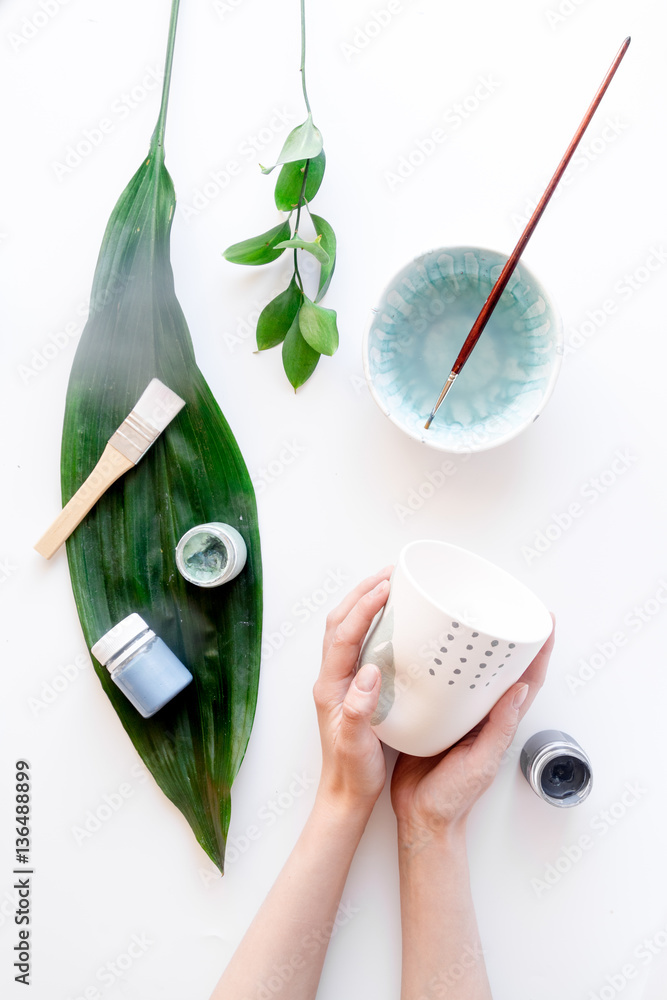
(496, 648)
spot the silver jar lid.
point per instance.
(211, 554)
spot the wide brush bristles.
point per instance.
(158, 405)
(156, 408)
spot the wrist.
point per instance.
(417, 837)
(338, 806)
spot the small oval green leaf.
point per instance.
(318, 327)
(328, 243)
(260, 249)
(277, 317)
(290, 181)
(299, 358)
(312, 246)
(303, 143)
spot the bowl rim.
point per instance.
(423, 435)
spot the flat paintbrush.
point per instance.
(157, 406)
(506, 273)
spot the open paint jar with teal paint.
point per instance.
(211, 554)
(418, 328)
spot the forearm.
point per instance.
(442, 953)
(287, 941)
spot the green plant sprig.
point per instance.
(304, 328)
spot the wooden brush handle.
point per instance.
(110, 467)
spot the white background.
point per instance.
(338, 509)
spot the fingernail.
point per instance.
(380, 586)
(367, 677)
(520, 696)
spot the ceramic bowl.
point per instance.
(456, 633)
(417, 330)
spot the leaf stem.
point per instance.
(158, 134)
(303, 55)
(302, 201)
(297, 273)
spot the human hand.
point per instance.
(353, 765)
(432, 795)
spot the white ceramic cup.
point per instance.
(455, 634)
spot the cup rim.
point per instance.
(423, 435)
(541, 637)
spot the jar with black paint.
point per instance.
(556, 768)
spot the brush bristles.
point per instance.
(157, 406)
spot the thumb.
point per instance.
(360, 702)
(500, 728)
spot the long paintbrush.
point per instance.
(156, 408)
(506, 273)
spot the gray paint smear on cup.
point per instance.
(381, 653)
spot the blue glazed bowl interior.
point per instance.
(419, 327)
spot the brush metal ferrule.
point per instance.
(134, 437)
(445, 389)
(447, 386)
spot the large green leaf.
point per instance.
(121, 558)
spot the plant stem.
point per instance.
(297, 274)
(303, 55)
(301, 202)
(158, 134)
